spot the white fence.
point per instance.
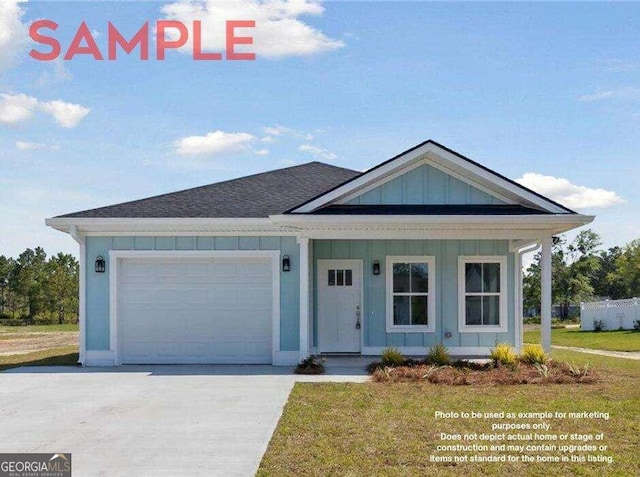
(614, 314)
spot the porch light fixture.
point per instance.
(100, 264)
(286, 263)
(376, 267)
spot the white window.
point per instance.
(410, 294)
(482, 293)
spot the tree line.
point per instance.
(582, 271)
(35, 288)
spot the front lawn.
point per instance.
(38, 328)
(65, 355)
(390, 429)
(625, 340)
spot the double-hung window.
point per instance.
(410, 294)
(482, 293)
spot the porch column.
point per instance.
(82, 314)
(304, 296)
(545, 293)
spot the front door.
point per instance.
(339, 306)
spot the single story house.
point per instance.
(422, 249)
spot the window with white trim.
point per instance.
(410, 294)
(482, 289)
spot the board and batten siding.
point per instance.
(424, 185)
(446, 253)
(97, 284)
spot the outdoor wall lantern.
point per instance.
(376, 267)
(100, 264)
(286, 263)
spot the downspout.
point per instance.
(73, 231)
(519, 302)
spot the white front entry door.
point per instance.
(339, 306)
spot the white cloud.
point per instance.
(267, 139)
(213, 144)
(57, 74)
(278, 32)
(27, 146)
(568, 194)
(318, 152)
(279, 130)
(261, 152)
(13, 33)
(622, 93)
(67, 115)
(17, 108)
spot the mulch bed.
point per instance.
(462, 373)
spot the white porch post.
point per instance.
(545, 293)
(82, 320)
(304, 296)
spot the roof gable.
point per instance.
(424, 184)
(459, 169)
(255, 196)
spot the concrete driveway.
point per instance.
(145, 420)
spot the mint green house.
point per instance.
(424, 248)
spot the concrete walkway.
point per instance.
(602, 352)
(150, 420)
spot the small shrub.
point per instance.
(542, 369)
(310, 365)
(392, 357)
(598, 326)
(503, 353)
(636, 325)
(438, 355)
(533, 354)
(578, 372)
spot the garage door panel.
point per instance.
(205, 311)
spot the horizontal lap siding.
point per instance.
(97, 285)
(446, 253)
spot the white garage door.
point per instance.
(215, 310)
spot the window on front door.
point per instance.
(340, 277)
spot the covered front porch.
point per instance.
(348, 305)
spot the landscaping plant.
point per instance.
(310, 365)
(503, 354)
(533, 354)
(438, 355)
(392, 357)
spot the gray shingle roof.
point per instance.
(255, 196)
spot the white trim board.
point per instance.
(116, 256)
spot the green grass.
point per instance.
(62, 356)
(390, 429)
(627, 340)
(38, 328)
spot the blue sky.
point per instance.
(547, 93)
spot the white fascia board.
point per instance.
(172, 226)
(442, 159)
(492, 180)
(525, 228)
(542, 221)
